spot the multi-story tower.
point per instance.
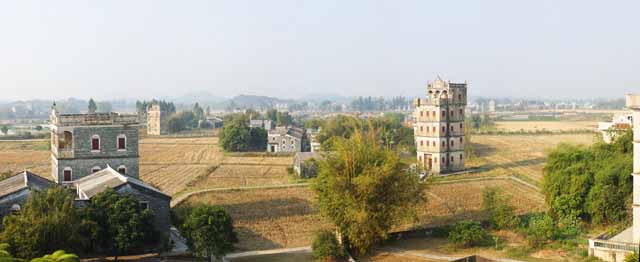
(155, 120)
(82, 144)
(439, 127)
(633, 103)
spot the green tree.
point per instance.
(5, 256)
(58, 256)
(47, 222)
(496, 206)
(122, 224)
(258, 141)
(633, 257)
(325, 247)
(467, 233)
(540, 229)
(4, 129)
(364, 190)
(209, 231)
(92, 106)
(235, 136)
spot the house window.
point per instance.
(452, 159)
(421, 113)
(95, 169)
(460, 157)
(461, 113)
(443, 113)
(461, 140)
(433, 143)
(459, 97)
(67, 174)
(421, 143)
(460, 125)
(122, 142)
(434, 129)
(452, 129)
(443, 129)
(434, 113)
(421, 129)
(452, 143)
(122, 170)
(95, 143)
(15, 208)
(144, 205)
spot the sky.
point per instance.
(293, 49)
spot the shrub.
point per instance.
(501, 214)
(467, 234)
(632, 257)
(540, 229)
(325, 247)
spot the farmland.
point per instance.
(554, 126)
(287, 217)
(16, 156)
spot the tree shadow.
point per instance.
(251, 241)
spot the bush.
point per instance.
(632, 257)
(501, 214)
(325, 247)
(467, 233)
(540, 229)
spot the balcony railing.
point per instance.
(65, 153)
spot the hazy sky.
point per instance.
(134, 48)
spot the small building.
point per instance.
(15, 190)
(150, 197)
(285, 140)
(305, 164)
(259, 123)
(215, 122)
(617, 125)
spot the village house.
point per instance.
(15, 190)
(156, 121)
(285, 140)
(259, 123)
(305, 164)
(618, 124)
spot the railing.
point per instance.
(65, 153)
(597, 243)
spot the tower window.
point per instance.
(122, 142)
(434, 113)
(122, 170)
(95, 143)
(95, 169)
(421, 113)
(452, 159)
(67, 175)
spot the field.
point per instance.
(31, 155)
(520, 155)
(287, 217)
(554, 126)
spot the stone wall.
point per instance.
(83, 167)
(158, 204)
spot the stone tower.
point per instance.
(439, 127)
(82, 144)
(633, 103)
(156, 121)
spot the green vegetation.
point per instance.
(237, 136)
(118, 224)
(496, 206)
(4, 129)
(58, 256)
(325, 247)
(209, 231)
(279, 118)
(111, 223)
(468, 233)
(632, 257)
(92, 106)
(540, 229)
(364, 190)
(590, 183)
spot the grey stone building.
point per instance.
(439, 127)
(285, 140)
(305, 164)
(258, 123)
(15, 190)
(152, 198)
(82, 144)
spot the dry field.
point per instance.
(511, 126)
(179, 165)
(522, 155)
(31, 155)
(287, 217)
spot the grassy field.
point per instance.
(554, 126)
(520, 155)
(31, 155)
(287, 217)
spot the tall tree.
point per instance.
(92, 106)
(209, 232)
(364, 190)
(47, 222)
(4, 129)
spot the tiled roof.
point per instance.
(102, 180)
(22, 181)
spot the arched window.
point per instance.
(443, 144)
(421, 143)
(460, 156)
(434, 113)
(67, 174)
(122, 142)
(15, 208)
(433, 143)
(122, 169)
(451, 159)
(95, 143)
(95, 169)
(461, 140)
(451, 143)
(434, 129)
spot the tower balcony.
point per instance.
(65, 154)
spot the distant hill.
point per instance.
(252, 101)
(202, 97)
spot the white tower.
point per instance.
(633, 103)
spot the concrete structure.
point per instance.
(618, 124)
(492, 106)
(439, 127)
(108, 178)
(285, 140)
(82, 144)
(15, 190)
(615, 249)
(156, 121)
(264, 124)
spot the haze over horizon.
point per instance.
(291, 49)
